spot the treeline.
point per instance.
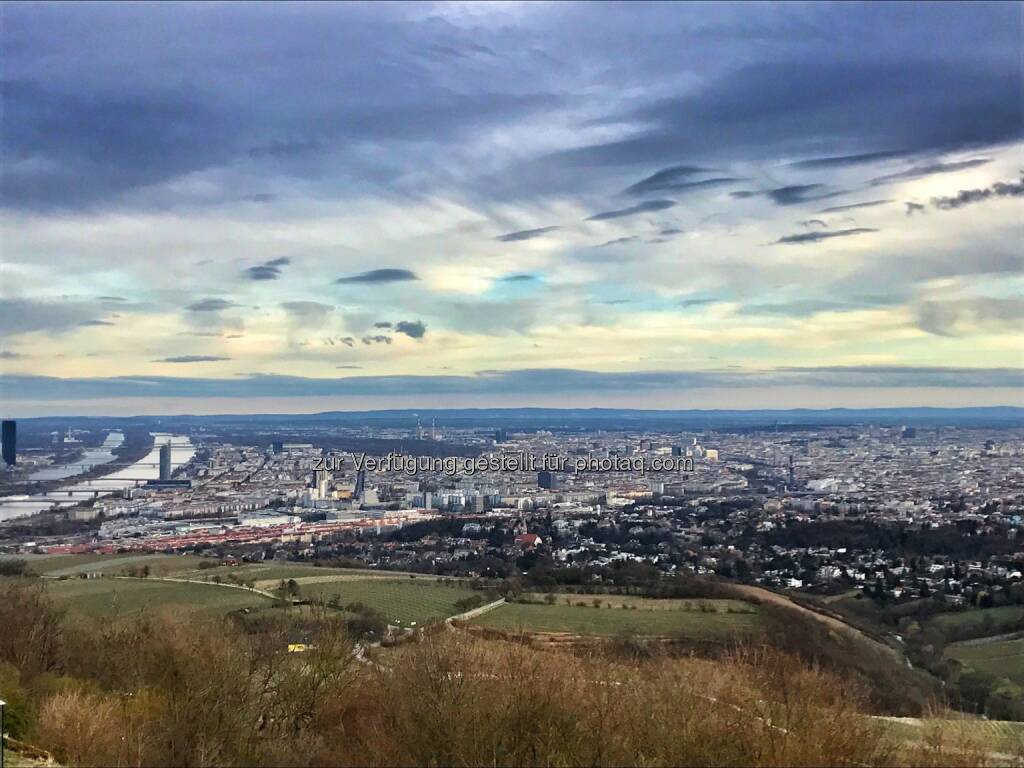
(172, 690)
(960, 541)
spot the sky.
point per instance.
(298, 207)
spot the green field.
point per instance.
(1003, 658)
(267, 575)
(1003, 615)
(400, 601)
(714, 624)
(113, 565)
(121, 597)
(73, 565)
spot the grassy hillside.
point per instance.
(165, 689)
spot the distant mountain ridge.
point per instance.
(606, 418)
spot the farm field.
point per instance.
(695, 624)
(645, 603)
(119, 597)
(1003, 658)
(400, 601)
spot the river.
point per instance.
(90, 458)
(146, 468)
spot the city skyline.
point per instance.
(270, 208)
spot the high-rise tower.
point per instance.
(10, 431)
(165, 461)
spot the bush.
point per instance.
(12, 567)
(165, 689)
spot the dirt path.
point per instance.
(767, 596)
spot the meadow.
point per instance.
(400, 601)
(996, 617)
(713, 623)
(56, 566)
(109, 597)
(998, 657)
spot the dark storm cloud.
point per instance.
(512, 382)
(650, 206)
(968, 196)
(102, 102)
(814, 237)
(111, 298)
(844, 161)
(211, 305)
(691, 186)
(932, 169)
(765, 110)
(378, 276)
(271, 270)
(671, 231)
(81, 148)
(790, 195)
(854, 206)
(77, 145)
(913, 208)
(813, 223)
(382, 325)
(349, 367)
(687, 303)
(192, 359)
(525, 234)
(414, 329)
(378, 339)
(678, 177)
(6, 354)
(263, 273)
(619, 241)
(518, 279)
(95, 322)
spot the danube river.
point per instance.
(146, 468)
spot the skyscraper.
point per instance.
(9, 441)
(320, 482)
(165, 461)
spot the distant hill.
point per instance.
(580, 418)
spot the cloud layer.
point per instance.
(569, 195)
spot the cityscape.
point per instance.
(736, 505)
(513, 384)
